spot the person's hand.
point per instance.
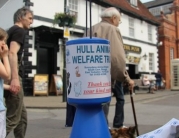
(131, 84)
(15, 86)
(3, 51)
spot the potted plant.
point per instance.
(64, 19)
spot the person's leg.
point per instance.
(20, 130)
(149, 88)
(2, 124)
(70, 114)
(106, 110)
(16, 115)
(119, 110)
(157, 85)
(152, 88)
(160, 85)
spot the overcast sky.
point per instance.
(145, 0)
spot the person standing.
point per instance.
(158, 77)
(5, 74)
(107, 29)
(16, 116)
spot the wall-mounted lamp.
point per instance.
(144, 56)
(160, 43)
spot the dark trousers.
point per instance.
(119, 110)
(106, 110)
(70, 114)
(16, 114)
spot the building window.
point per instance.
(73, 7)
(171, 53)
(149, 32)
(133, 2)
(155, 11)
(151, 65)
(166, 8)
(131, 27)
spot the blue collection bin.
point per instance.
(88, 85)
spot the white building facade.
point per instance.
(43, 52)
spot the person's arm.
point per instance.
(13, 59)
(118, 61)
(6, 87)
(5, 72)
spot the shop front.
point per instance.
(132, 60)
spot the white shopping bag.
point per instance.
(169, 130)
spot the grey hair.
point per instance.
(109, 12)
(20, 13)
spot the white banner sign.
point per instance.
(169, 130)
(88, 71)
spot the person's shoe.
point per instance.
(120, 127)
(123, 127)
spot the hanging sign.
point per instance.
(132, 59)
(133, 49)
(66, 32)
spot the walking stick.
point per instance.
(133, 109)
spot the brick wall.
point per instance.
(169, 35)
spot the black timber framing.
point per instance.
(27, 81)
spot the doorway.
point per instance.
(47, 60)
(131, 71)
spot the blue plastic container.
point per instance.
(88, 85)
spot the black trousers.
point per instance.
(119, 110)
(70, 114)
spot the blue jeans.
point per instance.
(119, 110)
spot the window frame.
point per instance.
(73, 7)
(134, 2)
(131, 27)
(171, 53)
(151, 61)
(149, 32)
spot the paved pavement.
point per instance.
(56, 102)
(47, 115)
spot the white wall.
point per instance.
(95, 14)
(33, 59)
(141, 29)
(141, 33)
(7, 12)
(49, 9)
(46, 8)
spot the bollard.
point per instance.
(88, 85)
